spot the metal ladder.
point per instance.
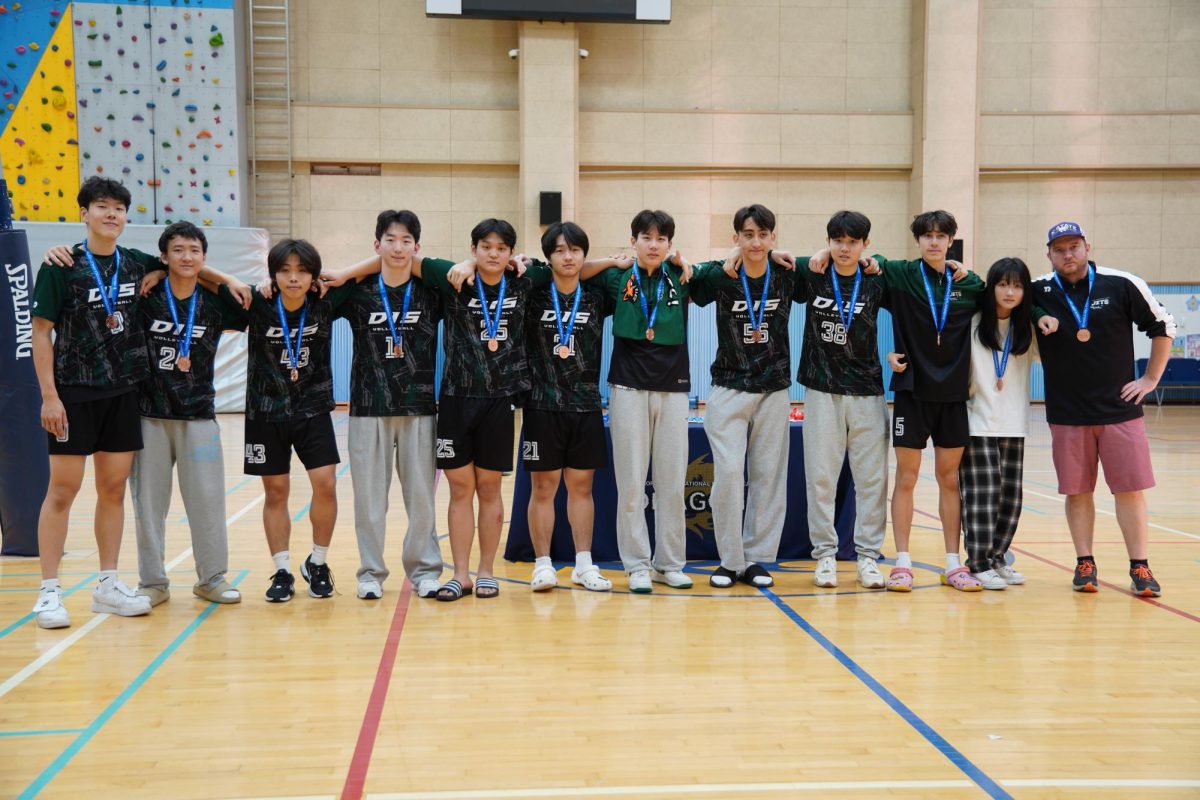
(270, 95)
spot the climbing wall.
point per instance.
(153, 97)
(38, 131)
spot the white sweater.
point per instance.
(993, 412)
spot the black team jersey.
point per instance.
(573, 383)
(742, 363)
(92, 361)
(472, 370)
(1084, 379)
(383, 383)
(271, 394)
(833, 359)
(169, 392)
(936, 372)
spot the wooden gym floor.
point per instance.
(1032, 692)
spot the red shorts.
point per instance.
(1121, 447)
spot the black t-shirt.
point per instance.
(168, 392)
(835, 360)
(573, 383)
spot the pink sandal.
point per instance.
(961, 578)
(900, 579)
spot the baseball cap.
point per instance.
(1064, 229)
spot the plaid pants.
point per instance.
(989, 480)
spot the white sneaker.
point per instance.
(639, 582)
(991, 580)
(825, 575)
(370, 589)
(428, 588)
(51, 613)
(114, 597)
(1010, 575)
(676, 580)
(591, 579)
(544, 579)
(869, 576)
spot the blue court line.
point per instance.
(64, 758)
(67, 593)
(959, 760)
(300, 514)
(229, 491)
(58, 732)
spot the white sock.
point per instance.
(904, 560)
(952, 561)
(283, 560)
(583, 560)
(543, 561)
(50, 585)
(107, 575)
(318, 555)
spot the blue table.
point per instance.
(701, 545)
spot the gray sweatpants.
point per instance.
(375, 443)
(836, 425)
(194, 446)
(733, 420)
(646, 423)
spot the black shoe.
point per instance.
(282, 587)
(757, 576)
(1143, 583)
(722, 578)
(319, 577)
(1085, 577)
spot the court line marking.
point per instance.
(368, 731)
(965, 765)
(1113, 586)
(67, 593)
(41, 733)
(56, 766)
(54, 652)
(1113, 514)
(748, 788)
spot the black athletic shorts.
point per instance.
(109, 425)
(915, 421)
(269, 445)
(475, 430)
(556, 439)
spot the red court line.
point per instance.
(1112, 586)
(1120, 542)
(356, 778)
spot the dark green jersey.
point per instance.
(572, 383)
(172, 393)
(472, 370)
(661, 364)
(383, 383)
(834, 359)
(92, 360)
(939, 365)
(271, 394)
(742, 363)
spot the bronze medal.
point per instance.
(999, 384)
(113, 321)
(295, 375)
(649, 334)
(756, 335)
(184, 363)
(493, 345)
(1084, 335)
(397, 348)
(564, 351)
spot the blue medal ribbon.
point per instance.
(185, 343)
(491, 324)
(1081, 318)
(938, 322)
(1000, 363)
(564, 333)
(755, 324)
(848, 317)
(646, 312)
(387, 307)
(293, 353)
(107, 296)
